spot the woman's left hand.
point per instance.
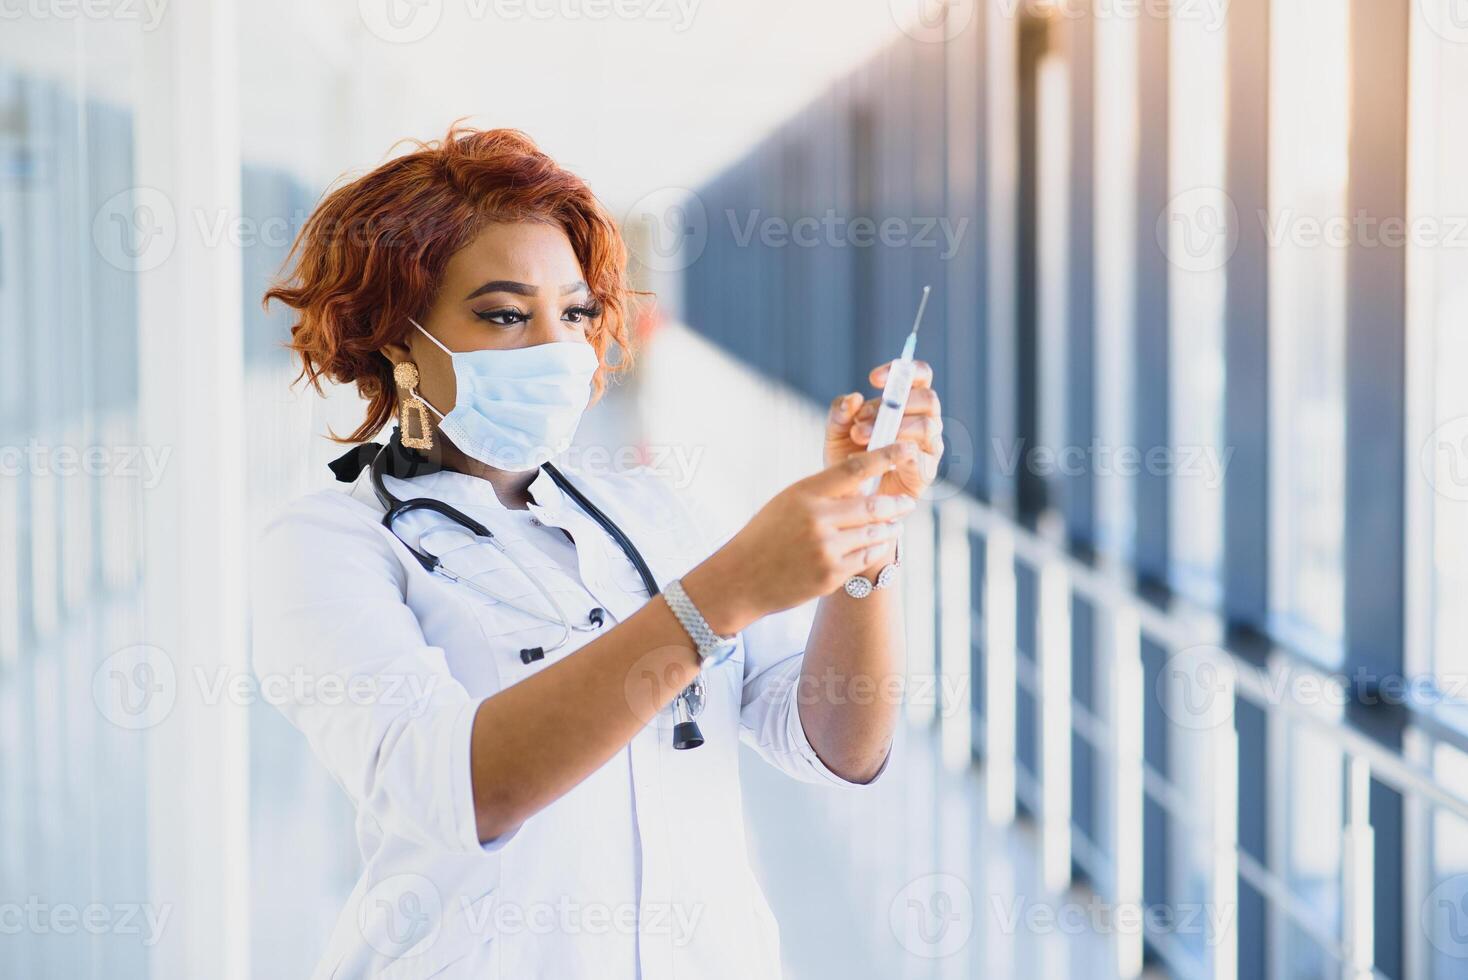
(849, 427)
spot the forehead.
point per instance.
(534, 252)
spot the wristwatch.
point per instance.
(713, 649)
(859, 586)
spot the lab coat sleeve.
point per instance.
(377, 704)
(770, 715)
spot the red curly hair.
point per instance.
(374, 252)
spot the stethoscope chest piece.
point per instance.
(687, 706)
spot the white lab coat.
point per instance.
(641, 870)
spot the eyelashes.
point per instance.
(509, 316)
(582, 313)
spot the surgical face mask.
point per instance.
(516, 408)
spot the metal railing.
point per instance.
(1124, 619)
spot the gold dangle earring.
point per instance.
(406, 376)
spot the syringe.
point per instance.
(894, 394)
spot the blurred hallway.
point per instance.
(1186, 603)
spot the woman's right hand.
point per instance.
(804, 543)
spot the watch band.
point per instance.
(713, 649)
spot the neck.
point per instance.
(511, 487)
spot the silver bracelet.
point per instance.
(859, 586)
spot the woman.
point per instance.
(505, 722)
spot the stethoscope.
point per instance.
(689, 703)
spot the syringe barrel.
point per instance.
(889, 412)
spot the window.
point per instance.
(70, 595)
(1437, 297)
(1307, 231)
(1445, 909)
(1052, 219)
(1195, 238)
(1116, 246)
(1307, 849)
(1437, 459)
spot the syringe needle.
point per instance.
(911, 344)
(922, 305)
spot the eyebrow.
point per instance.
(521, 288)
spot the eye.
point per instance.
(506, 316)
(580, 314)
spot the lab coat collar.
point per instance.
(453, 487)
(425, 479)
